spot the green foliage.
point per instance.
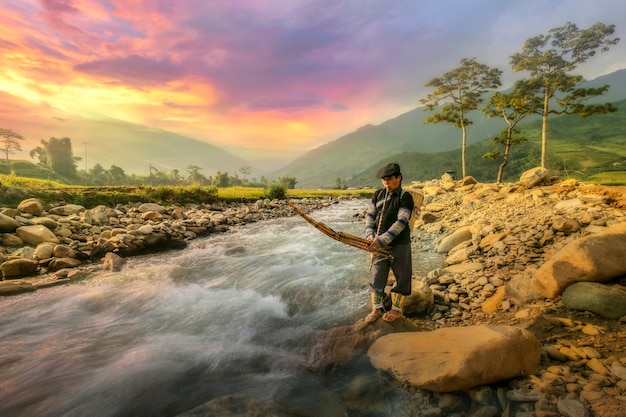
(288, 182)
(10, 142)
(550, 58)
(276, 191)
(462, 89)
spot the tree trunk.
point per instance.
(463, 150)
(544, 131)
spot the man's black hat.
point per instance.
(389, 170)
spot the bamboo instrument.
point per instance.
(348, 239)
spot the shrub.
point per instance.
(276, 191)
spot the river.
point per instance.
(233, 313)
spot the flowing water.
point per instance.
(233, 313)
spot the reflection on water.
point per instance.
(232, 313)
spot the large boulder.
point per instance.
(36, 234)
(457, 358)
(340, 345)
(534, 176)
(594, 258)
(606, 300)
(457, 237)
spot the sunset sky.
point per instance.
(264, 79)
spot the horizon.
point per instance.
(267, 84)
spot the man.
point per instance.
(386, 224)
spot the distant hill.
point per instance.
(135, 148)
(355, 151)
(351, 157)
(579, 147)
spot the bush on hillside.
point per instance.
(275, 191)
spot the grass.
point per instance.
(252, 193)
(14, 189)
(608, 178)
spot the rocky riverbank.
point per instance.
(42, 246)
(525, 319)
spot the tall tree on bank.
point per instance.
(10, 141)
(550, 58)
(464, 87)
(512, 107)
(57, 155)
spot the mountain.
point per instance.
(137, 149)
(370, 146)
(358, 150)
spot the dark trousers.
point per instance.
(402, 268)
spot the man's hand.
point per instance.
(375, 245)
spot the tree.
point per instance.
(288, 182)
(194, 174)
(549, 58)
(513, 107)
(10, 142)
(221, 180)
(245, 171)
(116, 174)
(57, 155)
(464, 86)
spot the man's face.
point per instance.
(391, 182)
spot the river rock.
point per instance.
(237, 406)
(571, 408)
(457, 237)
(113, 262)
(44, 250)
(15, 287)
(17, 268)
(565, 224)
(36, 234)
(597, 258)
(67, 209)
(146, 207)
(8, 224)
(420, 300)
(31, 206)
(534, 177)
(339, 345)
(45, 221)
(10, 240)
(57, 264)
(457, 358)
(606, 300)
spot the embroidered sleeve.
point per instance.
(404, 214)
(370, 220)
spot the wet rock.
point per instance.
(113, 262)
(15, 287)
(340, 345)
(17, 268)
